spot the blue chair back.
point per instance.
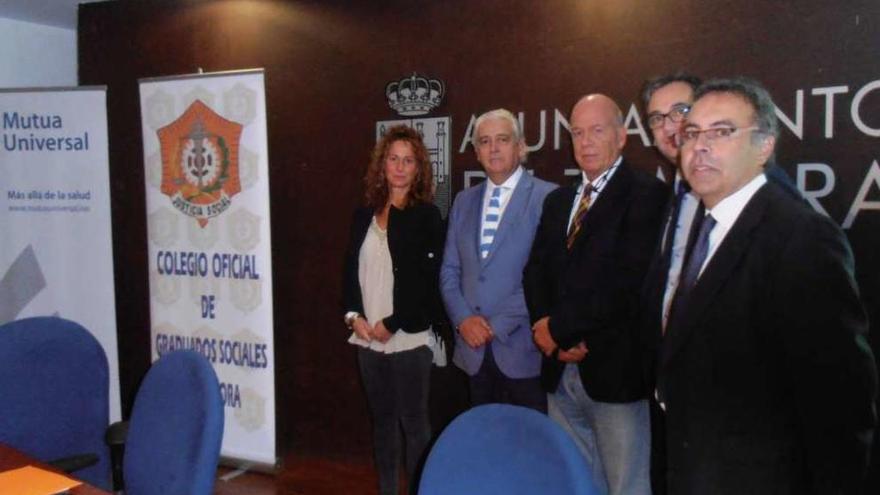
(504, 449)
(175, 429)
(54, 384)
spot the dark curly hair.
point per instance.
(422, 190)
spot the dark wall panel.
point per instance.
(327, 64)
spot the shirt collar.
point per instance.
(603, 178)
(511, 181)
(728, 209)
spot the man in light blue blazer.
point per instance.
(491, 228)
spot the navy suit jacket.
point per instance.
(492, 287)
(591, 293)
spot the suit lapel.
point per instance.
(472, 219)
(659, 268)
(564, 206)
(717, 271)
(667, 227)
(515, 206)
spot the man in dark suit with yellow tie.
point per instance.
(763, 371)
(588, 261)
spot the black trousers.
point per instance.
(397, 392)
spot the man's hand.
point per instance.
(362, 328)
(542, 337)
(574, 355)
(381, 333)
(475, 331)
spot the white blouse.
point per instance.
(376, 278)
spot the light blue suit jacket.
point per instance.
(492, 287)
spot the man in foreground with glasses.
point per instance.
(667, 100)
(764, 373)
(588, 261)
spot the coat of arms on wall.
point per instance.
(415, 96)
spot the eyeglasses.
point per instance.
(676, 116)
(712, 134)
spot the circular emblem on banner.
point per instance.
(200, 162)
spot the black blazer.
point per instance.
(768, 380)
(655, 282)
(777, 175)
(591, 294)
(415, 240)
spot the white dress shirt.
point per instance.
(727, 211)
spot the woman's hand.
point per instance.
(381, 333)
(362, 328)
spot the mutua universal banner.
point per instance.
(209, 245)
(56, 251)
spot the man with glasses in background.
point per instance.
(667, 100)
(764, 373)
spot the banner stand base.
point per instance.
(241, 466)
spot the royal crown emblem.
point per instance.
(200, 162)
(414, 95)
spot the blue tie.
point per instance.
(490, 222)
(693, 263)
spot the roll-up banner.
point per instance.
(56, 251)
(207, 183)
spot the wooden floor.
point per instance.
(302, 476)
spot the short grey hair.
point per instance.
(752, 92)
(498, 113)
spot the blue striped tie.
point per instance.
(490, 222)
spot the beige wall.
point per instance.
(36, 55)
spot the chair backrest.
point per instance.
(54, 384)
(175, 429)
(504, 449)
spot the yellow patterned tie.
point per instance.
(579, 215)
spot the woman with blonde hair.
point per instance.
(392, 300)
